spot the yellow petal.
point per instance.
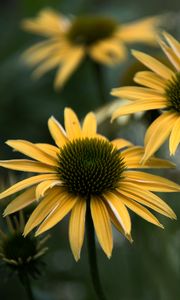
(119, 210)
(150, 182)
(47, 23)
(138, 93)
(77, 227)
(118, 226)
(71, 62)
(110, 51)
(133, 157)
(137, 107)
(27, 165)
(89, 125)
(171, 55)
(121, 143)
(174, 137)
(102, 224)
(150, 80)
(50, 149)
(148, 199)
(57, 132)
(72, 124)
(42, 187)
(142, 211)
(20, 202)
(157, 133)
(26, 183)
(44, 208)
(174, 44)
(59, 212)
(40, 52)
(140, 31)
(48, 64)
(32, 151)
(154, 65)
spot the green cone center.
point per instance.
(173, 93)
(90, 166)
(88, 30)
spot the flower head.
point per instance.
(83, 170)
(69, 41)
(161, 91)
(21, 255)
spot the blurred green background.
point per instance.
(150, 267)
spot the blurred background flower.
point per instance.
(70, 41)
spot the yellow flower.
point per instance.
(69, 41)
(86, 172)
(161, 91)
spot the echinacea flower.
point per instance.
(83, 173)
(69, 41)
(161, 90)
(21, 255)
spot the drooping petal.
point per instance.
(118, 226)
(150, 182)
(40, 51)
(72, 125)
(20, 202)
(102, 224)
(27, 166)
(53, 60)
(148, 199)
(32, 151)
(141, 211)
(58, 213)
(154, 65)
(89, 125)
(57, 132)
(68, 66)
(174, 137)
(77, 227)
(21, 185)
(158, 132)
(119, 210)
(44, 208)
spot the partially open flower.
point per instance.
(85, 170)
(161, 90)
(69, 41)
(21, 255)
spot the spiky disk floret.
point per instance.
(82, 168)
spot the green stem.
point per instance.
(98, 71)
(92, 255)
(27, 286)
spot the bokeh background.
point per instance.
(150, 267)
